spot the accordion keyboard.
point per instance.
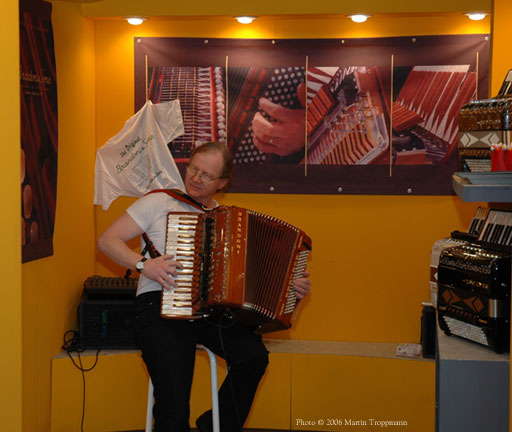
(182, 231)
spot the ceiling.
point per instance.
(117, 8)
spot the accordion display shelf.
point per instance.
(472, 387)
(472, 381)
(483, 186)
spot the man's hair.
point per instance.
(227, 158)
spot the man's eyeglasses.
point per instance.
(206, 177)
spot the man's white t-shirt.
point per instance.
(150, 214)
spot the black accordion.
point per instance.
(473, 299)
(236, 259)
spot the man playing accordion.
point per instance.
(168, 346)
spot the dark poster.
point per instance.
(356, 116)
(38, 87)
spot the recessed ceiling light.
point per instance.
(476, 16)
(135, 20)
(359, 18)
(245, 19)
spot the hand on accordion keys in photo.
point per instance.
(285, 134)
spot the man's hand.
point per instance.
(302, 286)
(161, 269)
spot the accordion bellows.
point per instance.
(236, 259)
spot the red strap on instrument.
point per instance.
(150, 247)
(180, 196)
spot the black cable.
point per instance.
(226, 313)
(83, 393)
(74, 344)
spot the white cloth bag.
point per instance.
(137, 159)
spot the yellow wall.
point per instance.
(10, 226)
(371, 254)
(501, 57)
(52, 285)
(360, 389)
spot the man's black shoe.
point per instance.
(204, 422)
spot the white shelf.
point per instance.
(483, 186)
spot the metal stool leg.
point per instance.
(149, 409)
(215, 395)
(215, 391)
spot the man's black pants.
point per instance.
(169, 347)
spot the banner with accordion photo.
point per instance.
(39, 129)
(321, 116)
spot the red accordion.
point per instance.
(236, 259)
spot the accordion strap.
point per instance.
(180, 196)
(150, 247)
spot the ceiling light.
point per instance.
(245, 19)
(359, 18)
(135, 20)
(476, 16)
